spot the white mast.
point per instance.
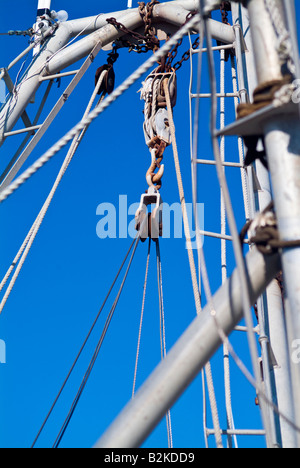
(43, 10)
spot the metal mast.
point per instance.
(263, 37)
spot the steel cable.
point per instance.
(84, 344)
(96, 353)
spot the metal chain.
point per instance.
(29, 32)
(146, 12)
(225, 7)
(145, 42)
(173, 53)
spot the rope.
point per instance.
(182, 200)
(95, 355)
(284, 47)
(163, 333)
(190, 254)
(228, 399)
(84, 344)
(229, 209)
(4, 194)
(141, 320)
(253, 381)
(27, 244)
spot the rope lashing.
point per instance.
(266, 234)
(263, 96)
(156, 124)
(157, 136)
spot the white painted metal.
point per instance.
(283, 149)
(185, 360)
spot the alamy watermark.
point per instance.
(296, 93)
(2, 92)
(118, 222)
(296, 352)
(2, 352)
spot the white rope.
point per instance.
(182, 201)
(163, 345)
(191, 257)
(27, 244)
(284, 46)
(245, 187)
(228, 398)
(231, 218)
(5, 193)
(141, 321)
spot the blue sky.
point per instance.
(69, 269)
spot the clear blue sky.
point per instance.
(69, 269)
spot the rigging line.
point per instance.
(194, 144)
(226, 363)
(141, 320)
(234, 355)
(4, 194)
(96, 352)
(231, 220)
(225, 339)
(84, 343)
(162, 328)
(190, 249)
(240, 364)
(27, 244)
(194, 150)
(182, 200)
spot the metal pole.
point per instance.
(18, 102)
(282, 139)
(188, 356)
(270, 306)
(170, 12)
(42, 10)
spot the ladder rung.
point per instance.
(222, 47)
(58, 75)
(23, 130)
(241, 328)
(213, 163)
(241, 432)
(219, 95)
(218, 236)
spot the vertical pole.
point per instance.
(246, 78)
(129, 4)
(270, 305)
(282, 139)
(42, 10)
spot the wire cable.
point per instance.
(162, 327)
(96, 353)
(84, 344)
(141, 320)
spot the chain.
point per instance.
(225, 7)
(173, 53)
(145, 42)
(186, 55)
(146, 12)
(29, 32)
